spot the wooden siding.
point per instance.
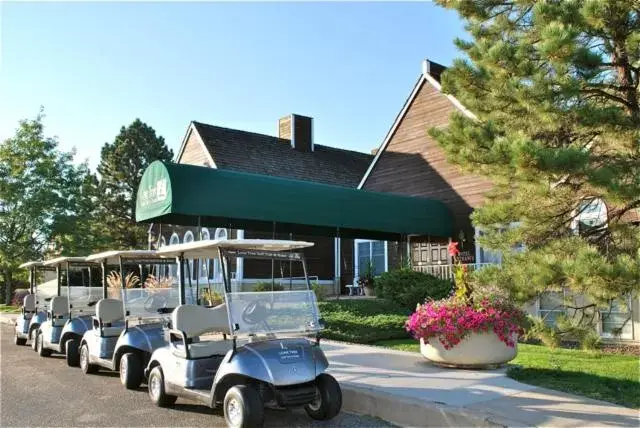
(320, 258)
(413, 163)
(194, 152)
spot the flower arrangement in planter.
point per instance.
(472, 328)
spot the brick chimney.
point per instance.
(298, 130)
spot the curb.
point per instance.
(411, 412)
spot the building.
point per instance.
(294, 155)
(410, 162)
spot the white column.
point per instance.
(239, 262)
(338, 267)
(476, 235)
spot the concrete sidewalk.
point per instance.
(403, 388)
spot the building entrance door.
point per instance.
(424, 253)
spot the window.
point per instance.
(370, 251)
(221, 233)
(551, 305)
(205, 264)
(617, 322)
(592, 214)
(174, 240)
(191, 266)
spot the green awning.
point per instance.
(191, 195)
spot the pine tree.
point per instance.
(555, 88)
(121, 166)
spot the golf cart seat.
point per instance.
(109, 318)
(59, 311)
(192, 321)
(29, 305)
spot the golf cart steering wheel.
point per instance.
(154, 302)
(255, 312)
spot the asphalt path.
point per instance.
(37, 391)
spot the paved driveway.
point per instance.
(38, 391)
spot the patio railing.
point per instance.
(446, 271)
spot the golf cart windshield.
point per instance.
(45, 291)
(150, 303)
(273, 312)
(82, 300)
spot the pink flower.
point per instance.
(450, 321)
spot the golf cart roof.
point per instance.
(60, 260)
(30, 264)
(112, 257)
(206, 248)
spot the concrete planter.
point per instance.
(478, 350)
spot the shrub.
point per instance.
(212, 297)
(267, 286)
(363, 321)
(18, 297)
(549, 336)
(590, 341)
(319, 291)
(409, 288)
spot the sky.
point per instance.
(95, 67)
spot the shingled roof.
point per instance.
(237, 150)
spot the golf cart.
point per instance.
(70, 311)
(250, 350)
(30, 318)
(131, 316)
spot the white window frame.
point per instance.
(174, 240)
(217, 272)
(608, 335)
(356, 261)
(203, 270)
(189, 237)
(561, 310)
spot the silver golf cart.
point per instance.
(131, 317)
(30, 317)
(70, 311)
(250, 350)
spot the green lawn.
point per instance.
(607, 377)
(363, 321)
(9, 309)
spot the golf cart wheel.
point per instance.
(40, 347)
(130, 371)
(34, 339)
(328, 401)
(156, 389)
(243, 407)
(19, 341)
(72, 353)
(85, 365)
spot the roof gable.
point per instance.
(431, 73)
(244, 151)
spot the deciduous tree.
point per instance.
(38, 191)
